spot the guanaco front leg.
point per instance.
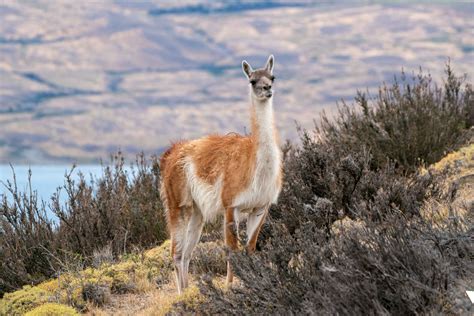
(231, 239)
(254, 224)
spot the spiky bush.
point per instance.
(321, 187)
(362, 166)
(117, 212)
(410, 123)
(395, 268)
(386, 260)
(121, 209)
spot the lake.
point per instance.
(45, 179)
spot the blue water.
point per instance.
(45, 179)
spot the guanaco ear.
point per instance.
(247, 68)
(269, 64)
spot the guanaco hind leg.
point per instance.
(193, 235)
(184, 239)
(177, 236)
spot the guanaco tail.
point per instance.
(233, 175)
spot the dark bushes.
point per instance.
(396, 268)
(26, 236)
(410, 123)
(120, 211)
(385, 258)
(347, 186)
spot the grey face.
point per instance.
(261, 80)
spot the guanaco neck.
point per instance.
(263, 128)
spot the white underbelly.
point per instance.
(257, 196)
(207, 197)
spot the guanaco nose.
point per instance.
(267, 87)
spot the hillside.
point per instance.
(142, 283)
(81, 80)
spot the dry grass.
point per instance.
(155, 302)
(139, 284)
(458, 188)
(463, 158)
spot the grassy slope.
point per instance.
(142, 284)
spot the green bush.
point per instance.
(22, 301)
(53, 309)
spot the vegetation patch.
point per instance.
(104, 218)
(137, 273)
(180, 304)
(350, 234)
(53, 309)
(22, 301)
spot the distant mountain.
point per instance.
(80, 80)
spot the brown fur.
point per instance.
(173, 181)
(233, 156)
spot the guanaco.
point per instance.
(233, 175)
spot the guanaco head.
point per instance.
(261, 80)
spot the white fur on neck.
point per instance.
(263, 189)
(264, 120)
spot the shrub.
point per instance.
(322, 187)
(21, 301)
(158, 263)
(96, 293)
(394, 268)
(53, 309)
(116, 213)
(384, 257)
(209, 257)
(410, 123)
(26, 235)
(117, 210)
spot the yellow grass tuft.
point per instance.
(53, 309)
(463, 156)
(165, 300)
(459, 167)
(22, 301)
(135, 274)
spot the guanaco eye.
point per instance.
(272, 78)
(253, 82)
